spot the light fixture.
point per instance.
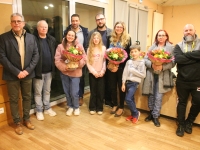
(46, 7)
(140, 1)
(51, 5)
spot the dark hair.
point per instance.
(135, 46)
(75, 15)
(167, 40)
(64, 43)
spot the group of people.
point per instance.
(30, 60)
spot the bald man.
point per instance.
(44, 70)
(187, 57)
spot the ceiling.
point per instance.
(175, 2)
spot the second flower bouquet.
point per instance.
(73, 55)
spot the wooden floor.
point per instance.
(94, 132)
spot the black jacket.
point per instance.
(188, 65)
(85, 35)
(10, 57)
(52, 45)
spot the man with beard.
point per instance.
(105, 32)
(82, 35)
(187, 57)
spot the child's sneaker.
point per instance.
(135, 120)
(129, 118)
(92, 112)
(77, 112)
(69, 111)
(99, 112)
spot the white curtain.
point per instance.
(121, 11)
(133, 23)
(157, 24)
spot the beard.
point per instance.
(189, 38)
(101, 26)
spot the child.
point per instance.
(97, 66)
(133, 73)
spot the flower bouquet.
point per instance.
(159, 56)
(73, 55)
(115, 56)
(142, 54)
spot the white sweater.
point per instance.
(135, 71)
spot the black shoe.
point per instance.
(156, 122)
(149, 117)
(109, 104)
(188, 127)
(180, 130)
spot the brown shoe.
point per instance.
(29, 125)
(18, 128)
(80, 101)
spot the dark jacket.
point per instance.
(85, 35)
(52, 45)
(188, 65)
(10, 56)
(127, 49)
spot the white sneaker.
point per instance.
(39, 116)
(92, 112)
(50, 112)
(69, 111)
(99, 112)
(77, 112)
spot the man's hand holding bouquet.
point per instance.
(73, 55)
(115, 56)
(158, 57)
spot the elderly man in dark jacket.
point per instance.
(19, 56)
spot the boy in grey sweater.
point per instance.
(133, 73)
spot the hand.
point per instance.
(25, 72)
(96, 75)
(157, 67)
(112, 67)
(123, 87)
(21, 75)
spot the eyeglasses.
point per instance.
(100, 19)
(161, 35)
(16, 21)
(119, 27)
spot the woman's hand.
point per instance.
(157, 67)
(123, 87)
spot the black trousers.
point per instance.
(184, 89)
(96, 93)
(115, 80)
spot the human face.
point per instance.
(75, 22)
(100, 21)
(189, 30)
(119, 29)
(42, 28)
(96, 40)
(161, 37)
(70, 36)
(135, 54)
(17, 24)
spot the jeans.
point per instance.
(13, 92)
(96, 93)
(71, 88)
(131, 87)
(184, 89)
(42, 88)
(155, 99)
(82, 82)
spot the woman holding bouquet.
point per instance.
(118, 38)
(70, 77)
(158, 77)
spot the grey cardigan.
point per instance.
(165, 79)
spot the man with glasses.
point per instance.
(82, 35)
(19, 56)
(187, 57)
(44, 71)
(105, 32)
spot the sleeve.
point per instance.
(82, 62)
(59, 62)
(180, 57)
(141, 72)
(125, 73)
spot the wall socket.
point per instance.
(1, 110)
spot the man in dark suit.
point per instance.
(19, 56)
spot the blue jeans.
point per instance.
(42, 88)
(71, 88)
(155, 99)
(131, 87)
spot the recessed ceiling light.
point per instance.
(51, 5)
(46, 7)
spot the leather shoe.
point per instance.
(18, 128)
(29, 125)
(149, 117)
(114, 109)
(118, 115)
(80, 101)
(156, 122)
